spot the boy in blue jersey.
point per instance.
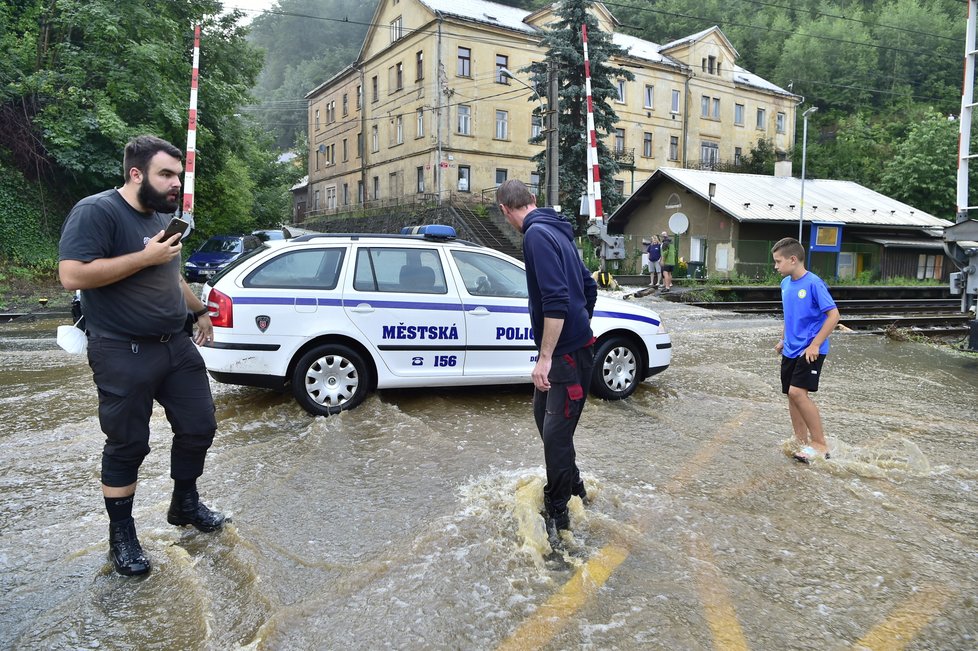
(810, 315)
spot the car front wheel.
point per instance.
(329, 379)
(617, 369)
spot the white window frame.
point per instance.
(397, 29)
(676, 98)
(673, 147)
(375, 138)
(464, 120)
(419, 123)
(649, 96)
(399, 130)
(464, 173)
(647, 142)
(502, 125)
(620, 88)
(739, 111)
(536, 126)
(780, 122)
(762, 118)
(709, 153)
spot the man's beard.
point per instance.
(154, 200)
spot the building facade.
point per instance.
(426, 112)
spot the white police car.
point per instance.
(337, 316)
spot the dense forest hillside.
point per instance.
(885, 75)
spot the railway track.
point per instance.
(937, 317)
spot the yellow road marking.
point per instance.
(904, 623)
(544, 624)
(717, 606)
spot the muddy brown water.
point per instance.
(411, 522)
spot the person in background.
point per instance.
(562, 294)
(136, 307)
(810, 315)
(670, 256)
(654, 249)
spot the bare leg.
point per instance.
(801, 403)
(119, 491)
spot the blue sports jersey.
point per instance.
(805, 302)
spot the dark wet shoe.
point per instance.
(555, 524)
(187, 509)
(125, 552)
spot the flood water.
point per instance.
(411, 522)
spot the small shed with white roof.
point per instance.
(732, 231)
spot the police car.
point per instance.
(338, 316)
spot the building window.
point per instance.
(502, 125)
(346, 105)
(534, 183)
(376, 187)
(331, 197)
(673, 147)
(716, 108)
(393, 187)
(709, 154)
(739, 114)
(619, 141)
(346, 155)
(420, 180)
(761, 118)
(396, 29)
(359, 144)
(711, 65)
(464, 62)
(317, 119)
(359, 97)
(399, 130)
(399, 76)
(502, 61)
(930, 266)
(647, 145)
(501, 176)
(419, 65)
(374, 138)
(704, 107)
(648, 96)
(674, 107)
(360, 192)
(315, 200)
(331, 112)
(738, 156)
(375, 89)
(779, 121)
(318, 152)
(464, 178)
(419, 123)
(620, 88)
(536, 126)
(346, 194)
(464, 120)
(620, 187)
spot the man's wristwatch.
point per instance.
(199, 313)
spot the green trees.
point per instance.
(565, 51)
(80, 77)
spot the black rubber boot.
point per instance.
(125, 552)
(186, 508)
(581, 492)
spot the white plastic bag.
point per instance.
(73, 339)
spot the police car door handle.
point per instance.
(362, 308)
(479, 311)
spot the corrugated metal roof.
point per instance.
(748, 78)
(762, 198)
(641, 49)
(484, 12)
(893, 243)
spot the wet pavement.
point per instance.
(411, 522)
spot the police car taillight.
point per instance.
(220, 309)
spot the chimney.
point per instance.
(782, 169)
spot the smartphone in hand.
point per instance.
(176, 226)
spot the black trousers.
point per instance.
(129, 376)
(557, 413)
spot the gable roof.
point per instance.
(699, 36)
(759, 198)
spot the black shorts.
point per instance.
(668, 268)
(798, 372)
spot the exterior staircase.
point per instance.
(484, 231)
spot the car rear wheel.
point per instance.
(329, 379)
(617, 369)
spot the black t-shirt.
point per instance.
(147, 303)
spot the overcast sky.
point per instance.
(251, 7)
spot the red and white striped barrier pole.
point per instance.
(593, 170)
(188, 175)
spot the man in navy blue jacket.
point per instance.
(561, 300)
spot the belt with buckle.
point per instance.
(162, 339)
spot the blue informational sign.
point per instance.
(826, 237)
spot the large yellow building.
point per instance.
(425, 109)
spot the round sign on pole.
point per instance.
(678, 223)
